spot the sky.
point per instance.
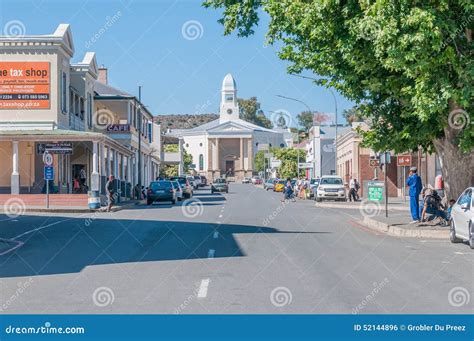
(177, 52)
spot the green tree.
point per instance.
(258, 161)
(281, 122)
(353, 115)
(410, 63)
(250, 111)
(187, 159)
(305, 119)
(289, 161)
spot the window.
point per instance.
(201, 162)
(465, 198)
(150, 127)
(81, 108)
(63, 93)
(229, 98)
(89, 110)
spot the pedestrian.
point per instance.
(450, 208)
(110, 188)
(352, 190)
(414, 182)
(76, 185)
(83, 176)
(357, 187)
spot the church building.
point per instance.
(227, 146)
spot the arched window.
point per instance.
(201, 162)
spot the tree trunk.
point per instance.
(457, 167)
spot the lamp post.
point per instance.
(298, 133)
(335, 108)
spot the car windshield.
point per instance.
(160, 185)
(182, 181)
(219, 181)
(331, 181)
(314, 181)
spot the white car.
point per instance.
(462, 218)
(192, 181)
(179, 190)
(246, 180)
(330, 187)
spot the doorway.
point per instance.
(229, 167)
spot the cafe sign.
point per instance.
(118, 128)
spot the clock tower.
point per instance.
(229, 107)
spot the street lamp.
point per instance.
(298, 133)
(335, 107)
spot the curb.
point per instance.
(395, 231)
(74, 210)
(352, 207)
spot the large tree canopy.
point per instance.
(408, 64)
(250, 111)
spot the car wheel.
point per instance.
(471, 235)
(212, 192)
(149, 202)
(319, 199)
(227, 191)
(173, 201)
(452, 233)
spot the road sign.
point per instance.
(404, 160)
(375, 189)
(274, 163)
(374, 163)
(54, 148)
(48, 172)
(47, 159)
(305, 165)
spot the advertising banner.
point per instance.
(25, 85)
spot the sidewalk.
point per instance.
(397, 204)
(69, 209)
(397, 225)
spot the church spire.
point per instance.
(229, 107)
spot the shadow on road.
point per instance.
(70, 246)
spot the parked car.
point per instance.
(203, 181)
(197, 180)
(256, 180)
(192, 181)
(269, 184)
(331, 187)
(246, 180)
(220, 185)
(185, 185)
(279, 186)
(462, 218)
(162, 190)
(179, 190)
(313, 186)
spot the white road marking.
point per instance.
(40, 228)
(220, 215)
(216, 235)
(202, 293)
(211, 253)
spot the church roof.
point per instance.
(229, 83)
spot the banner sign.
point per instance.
(48, 173)
(24, 85)
(54, 148)
(403, 160)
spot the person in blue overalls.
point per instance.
(414, 182)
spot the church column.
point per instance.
(218, 154)
(250, 154)
(242, 155)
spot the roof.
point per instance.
(228, 84)
(102, 89)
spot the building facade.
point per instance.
(49, 103)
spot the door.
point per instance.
(229, 167)
(461, 216)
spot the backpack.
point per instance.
(433, 201)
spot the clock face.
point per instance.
(229, 111)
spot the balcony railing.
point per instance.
(75, 122)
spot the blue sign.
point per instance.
(48, 172)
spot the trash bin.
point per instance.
(93, 200)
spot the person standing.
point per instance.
(83, 177)
(414, 182)
(352, 190)
(110, 188)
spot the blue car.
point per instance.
(162, 190)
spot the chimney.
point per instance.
(103, 74)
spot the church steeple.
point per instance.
(229, 106)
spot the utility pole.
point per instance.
(140, 138)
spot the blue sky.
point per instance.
(180, 72)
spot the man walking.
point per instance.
(110, 188)
(414, 182)
(352, 190)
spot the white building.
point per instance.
(227, 145)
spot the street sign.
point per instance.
(374, 163)
(48, 172)
(305, 165)
(54, 148)
(47, 159)
(375, 190)
(404, 160)
(274, 163)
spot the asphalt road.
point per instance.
(242, 252)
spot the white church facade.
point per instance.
(227, 146)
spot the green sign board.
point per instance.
(375, 190)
